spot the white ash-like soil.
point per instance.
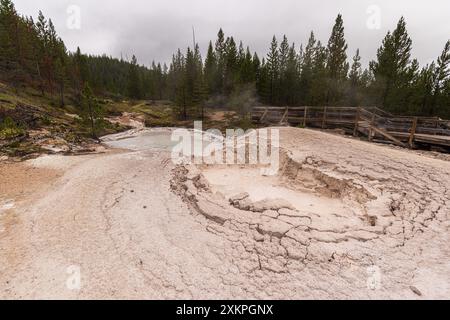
(342, 219)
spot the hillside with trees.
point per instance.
(231, 75)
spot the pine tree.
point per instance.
(256, 64)
(284, 55)
(7, 17)
(199, 93)
(231, 77)
(92, 111)
(29, 48)
(292, 77)
(180, 75)
(7, 13)
(423, 88)
(408, 90)
(44, 53)
(445, 110)
(247, 72)
(273, 68)
(365, 86)
(221, 61)
(10, 48)
(263, 84)
(318, 94)
(391, 68)
(32, 54)
(189, 79)
(193, 87)
(60, 69)
(306, 71)
(211, 69)
(440, 77)
(283, 68)
(80, 73)
(354, 78)
(337, 65)
(134, 87)
(175, 75)
(241, 55)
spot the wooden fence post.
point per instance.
(304, 117)
(372, 123)
(355, 131)
(413, 132)
(324, 120)
(264, 114)
(285, 115)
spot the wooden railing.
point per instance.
(373, 122)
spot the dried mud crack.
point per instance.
(341, 219)
(326, 219)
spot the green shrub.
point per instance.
(9, 129)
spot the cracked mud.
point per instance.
(342, 219)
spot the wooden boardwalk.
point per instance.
(374, 123)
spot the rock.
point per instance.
(416, 291)
(373, 220)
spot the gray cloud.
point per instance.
(154, 29)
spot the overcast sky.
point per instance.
(154, 29)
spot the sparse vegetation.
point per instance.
(91, 112)
(9, 129)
